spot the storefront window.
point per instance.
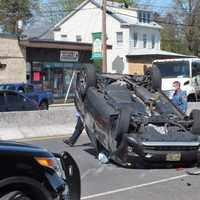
(54, 76)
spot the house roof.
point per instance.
(155, 52)
(38, 30)
(125, 16)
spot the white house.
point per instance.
(130, 31)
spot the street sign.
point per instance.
(69, 56)
(97, 46)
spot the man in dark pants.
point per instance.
(77, 132)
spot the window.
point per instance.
(29, 89)
(144, 40)
(173, 69)
(7, 87)
(140, 16)
(153, 40)
(78, 38)
(119, 38)
(195, 69)
(148, 17)
(21, 89)
(63, 36)
(144, 16)
(135, 38)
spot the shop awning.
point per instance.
(51, 44)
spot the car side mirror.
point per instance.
(21, 91)
(186, 83)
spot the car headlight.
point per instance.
(51, 162)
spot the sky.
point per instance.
(153, 2)
(157, 5)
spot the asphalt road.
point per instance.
(110, 182)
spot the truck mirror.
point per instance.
(186, 83)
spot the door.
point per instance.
(15, 102)
(72, 175)
(58, 83)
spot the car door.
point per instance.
(3, 107)
(15, 102)
(72, 175)
(29, 104)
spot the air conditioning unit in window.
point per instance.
(2, 66)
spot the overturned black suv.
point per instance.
(32, 173)
(128, 117)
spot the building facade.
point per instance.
(13, 60)
(128, 30)
(50, 64)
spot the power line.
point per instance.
(50, 13)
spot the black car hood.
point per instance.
(17, 148)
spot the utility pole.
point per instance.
(104, 37)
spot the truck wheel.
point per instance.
(85, 78)
(16, 195)
(195, 116)
(44, 105)
(153, 78)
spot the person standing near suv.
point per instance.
(179, 98)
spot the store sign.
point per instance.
(69, 56)
(97, 46)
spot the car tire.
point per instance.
(16, 195)
(195, 116)
(85, 78)
(44, 105)
(153, 77)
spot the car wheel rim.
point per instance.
(83, 81)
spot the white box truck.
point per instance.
(184, 70)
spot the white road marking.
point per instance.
(135, 186)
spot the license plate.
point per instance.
(173, 157)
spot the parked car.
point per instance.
(128, 118)
(42, 97)
(14, 101)
(184, 70)
(32, 173)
